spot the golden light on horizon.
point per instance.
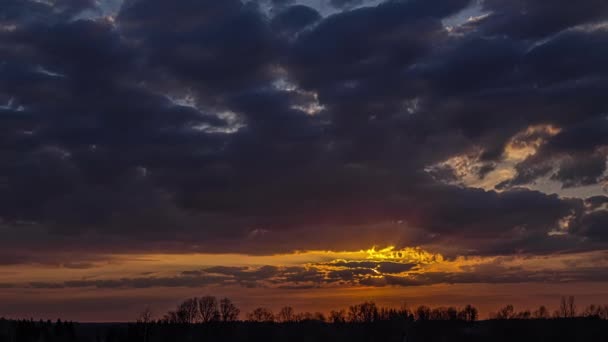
(357, 274)
(407, 263)
(410, 254)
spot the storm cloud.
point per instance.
(226, 127)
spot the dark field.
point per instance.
(576, 329)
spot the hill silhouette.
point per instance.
(209, 319)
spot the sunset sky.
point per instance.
(312, 153)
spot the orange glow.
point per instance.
(276, 289)
(408, 254)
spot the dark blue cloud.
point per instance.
(196, 123)
(530, 19)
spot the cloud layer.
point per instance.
(266, 127)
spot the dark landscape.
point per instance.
(207, 319)
(554, 330)
(328, 170)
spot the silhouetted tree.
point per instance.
(468, 313)
(526, 314)
(507, 312)
(171, 317)
(422, 313)
(58, 328)
(188, 310)
(444, 314)
(145, 316)
(208, 310)
(389, 314)
(592, 311)
(228, 311)
(145, 319)
(541, 313)
(604, 312)
(261, 315)
(186, 313)
(439, 314)
(286, 314)
(452, 313)
(596, 311)
(338, 316)
(319, 316)
(571, 306)
(303, 316)
(567, 308)
(365, 312)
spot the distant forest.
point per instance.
(208, 309)
(208, 318)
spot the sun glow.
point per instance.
(375, 267)
(408, 254)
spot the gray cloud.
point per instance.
(189, 124)
(312, 277)
(532, 19)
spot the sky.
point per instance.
(312, 153)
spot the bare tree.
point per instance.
(563, 308)
(592, 311)
(304, 316)
(567, 308)
(604, 312)
(319, 316)
(526, 314)
(208, 309)
(541, 313)
(286, 314)
(145, 319)
(444, 314)
(468, 313)
(507, 312)
(423, 313)
(261, 315)
(187, 311)
(389, 314)
(171, 317)
(228, 311)
(337, 316)
(146, 316)
(452, 313)
(363, 313)
(571, 307)
(439, 314)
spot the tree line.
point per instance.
(567, 309)
(199, 310)
(209, 318)
(209, 309)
